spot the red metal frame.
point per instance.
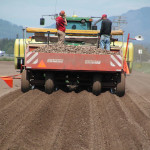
(74, 62)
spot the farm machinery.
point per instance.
(77, 63)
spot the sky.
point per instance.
(27, 13)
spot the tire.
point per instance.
(120, 89)
(97, 86)
(130, 67)
(49, 83)
(25, 84)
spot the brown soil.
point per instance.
(76, 121)
(6, 69)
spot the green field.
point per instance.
(6, 59)
(142, 67)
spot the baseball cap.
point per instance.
(104, 16)
(62, 12)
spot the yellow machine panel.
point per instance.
(130, 54)
(19, 49)
(72, 32)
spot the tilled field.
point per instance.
(77, 121)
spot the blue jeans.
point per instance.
(105, 42)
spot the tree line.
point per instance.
(7, 45)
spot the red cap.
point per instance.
(62, 12)
(104, 16)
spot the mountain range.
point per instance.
(137, 24)
(9, 30)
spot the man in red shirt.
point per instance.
(61, 22)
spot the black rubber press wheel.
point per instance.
(97, 86)
(49, 83)
(120, 89)
(25, 84)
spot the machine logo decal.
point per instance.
(55, 60)
(97, 62)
